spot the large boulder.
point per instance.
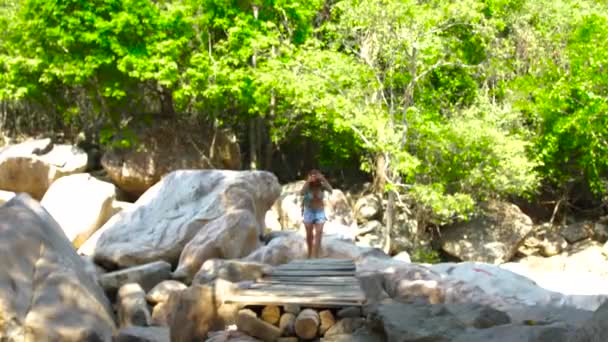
(513, 288)
(185, 202)
(582, 270)
(492, 237)
(289, 207)
(235, 235)
(81, 204)
(34, 165)
(45, 292)
(169, 145)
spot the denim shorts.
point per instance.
(314, 216)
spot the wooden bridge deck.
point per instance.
(311, 283)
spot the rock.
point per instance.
(248, 323)
(327, 321)
(287, 324)
(234, 235)
(182, 204)
(362, 334)
(199, 309)
(230, 336)
(373, 239)
(231, 270)
(166, 146)
(349, 312)
(600, 232)
(288, 339)
(501, 288)
(559, 332)
(553, 244)
(132, 306)
(403, 256)
(280, 250)
(577, 231)
(271, 221)
(372, 285)
(374, 227)
(34, 165)
(6, 196)
(478, 316)
(94, 270)
(346, 326)
(81, 204)
(271, 314)
(292, 246)
(493, 237)
(289, 207)
(413, 322)
(161, 292)
(594, 330)
(546, 315)
(368, 207)
(161, 314)
(45, 291)
(143, 334)
(581, 270)
(147, 276)
(307, 324)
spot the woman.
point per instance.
(313, 210)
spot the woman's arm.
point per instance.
(304, 188)
(325, 184)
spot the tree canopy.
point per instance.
(448, 103)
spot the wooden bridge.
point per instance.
(315, 283)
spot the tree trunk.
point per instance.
(254, 135)
(166, 102)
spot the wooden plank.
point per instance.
(313, 278)
(303, 298)
(320, 283)
(318, 268)
(299, 301)
(306, 289)
(320, 262)
(297, 273)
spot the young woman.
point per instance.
(313, 210)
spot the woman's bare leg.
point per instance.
(309, 238)
(318, 235)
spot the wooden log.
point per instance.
(307, 324)
(287, 324)
(292, 308)
(327, 321)
(271, 314)
(255, 327)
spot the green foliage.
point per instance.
(465, 100)
(425, 255)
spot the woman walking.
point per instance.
(313, 210)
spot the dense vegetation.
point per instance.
(446, 102)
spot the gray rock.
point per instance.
(594, 330)
(416, 322)
(147, 276)
(161, 292)
(492, 237)
(32, 166)
(132, 307)
(46, 294)
(478, 316)
(143, 334)
(345, 326)
(175, 210)
(577, 231)
(350, 312)
(517, 333)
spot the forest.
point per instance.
(444, 104)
